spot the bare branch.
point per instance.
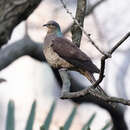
(104, 57)
(97, 95)
(90, 89)
(80, 15)
(119, 43)
(2, 80)
(88, 12)
(78, 24)
(20, 48)
(114, 99)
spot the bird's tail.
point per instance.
(91, 78)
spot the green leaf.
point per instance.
(30, 121)
(88, 124)
(69, 120)
(48, 119)
(10, 116)
(107, 125)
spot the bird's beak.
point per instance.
(45, 25)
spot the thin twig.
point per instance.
(119, 43)
(88, 36)
(90, 89)
(88, 12)
(105, 56)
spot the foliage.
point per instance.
(30, 121)
(68, 122)
(10, 120)
(47, 122)
(88, 124)
(10, 116)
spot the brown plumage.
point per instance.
(72, 54)
(62, 53)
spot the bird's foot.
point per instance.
(62, 69)
(63, 94)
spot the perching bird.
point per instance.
(62, 53)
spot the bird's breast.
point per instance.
(54, 59)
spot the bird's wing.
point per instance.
(72, 54)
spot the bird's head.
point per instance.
(53, 27)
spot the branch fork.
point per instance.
(106, 55)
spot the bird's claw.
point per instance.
(63, 94)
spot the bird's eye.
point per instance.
(52, 24)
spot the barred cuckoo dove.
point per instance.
(61, 53)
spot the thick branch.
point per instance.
(97, 95)
(20, 48)
(111, 99)
(12, 12)
(80, 15)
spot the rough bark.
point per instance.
(80, 15)
(12, 12)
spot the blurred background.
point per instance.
(29, 79)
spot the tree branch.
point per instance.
(119, 43)
(90, 91)
(86, 34)
(80, 14)
(104, 57)
(20, 48)
(12, 12)
(88, 12)
(97, 95)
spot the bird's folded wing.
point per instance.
(72, 54)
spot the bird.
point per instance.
(61, 53)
